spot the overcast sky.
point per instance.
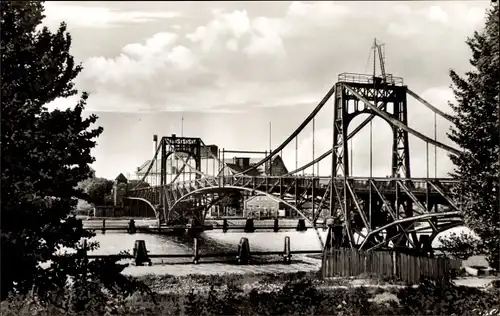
(229, 68)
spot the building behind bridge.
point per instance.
(208, 166)
(235, 165)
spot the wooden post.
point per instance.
(287, 256)
(276, 225)
(104, 226)
(196, 255)
(131, 227)
(225, 225)
(249, 226)
(141, 253)
(301, 225)
(244, 256)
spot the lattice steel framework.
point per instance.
(381, 210)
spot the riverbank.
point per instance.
(279, 293)
(261, 265)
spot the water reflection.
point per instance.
(210, 241)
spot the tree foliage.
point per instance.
(45, 154)
(232, 199)
(476, 131)
(462, 246)
(97, 189)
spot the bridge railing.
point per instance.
(419, 184)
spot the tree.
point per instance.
(97, 189)
(44, 154)
(476, 131)
(462, 246)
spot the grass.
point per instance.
(267, 294)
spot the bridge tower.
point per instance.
(389, 97)
(171, 145)
(388, 94)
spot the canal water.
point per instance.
(213, 241)
(209, 241)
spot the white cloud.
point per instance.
(97, 16)
(238, 59)
(436, 13)
(223, 26)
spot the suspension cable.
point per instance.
(435, 147)
(371, 151)
(427, 159)
(313, 145)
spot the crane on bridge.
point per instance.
(377, 48)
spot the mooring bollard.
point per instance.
(249, 226)
(244, 255)
(141, 253)
(301, 225)
(276, 225)
(225, 226)
(104, 226)
(287, 256)
(196, 256)
(131, 227)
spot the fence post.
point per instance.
(244, 255)
(141, 253)
(287, 256)
(104, 226)
(131, 227)
(301, 225)
(196, 255)
(394, 264)
(249, 226)
(224, 225)
(276, 225)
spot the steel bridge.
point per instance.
(365, 212)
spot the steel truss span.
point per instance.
(363, 212)
(380, 215)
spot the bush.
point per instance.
(298, 296)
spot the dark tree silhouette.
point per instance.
(477, 131)
(44, 154)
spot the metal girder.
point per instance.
(401, 125)
(416, 201)
(436, 187)
(411, 219)
(356, 203)
(387, 205)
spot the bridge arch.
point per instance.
(145, 201)
(417, 218)
(230, 187)
(382, 137)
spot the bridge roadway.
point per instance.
(297, 190)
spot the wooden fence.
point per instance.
(407, 268)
